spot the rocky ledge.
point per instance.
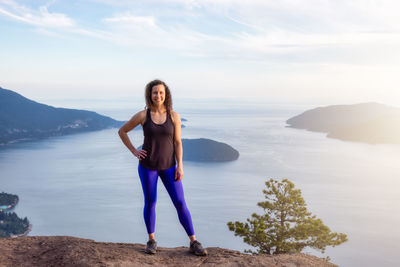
(72, 251)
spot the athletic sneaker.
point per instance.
(151, 247)
(197, 249)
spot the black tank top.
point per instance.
(158, 143)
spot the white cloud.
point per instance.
(131, 19)
(41, 17)
(257, 29)
(272, 27)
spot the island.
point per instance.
(371, 123)
(22, 119)
(10, 224)
(182, 125)
(207, 150)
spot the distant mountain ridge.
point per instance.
(24, 119)
(372, 122)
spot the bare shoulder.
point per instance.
(175, 116)
(139, 116)
(136, 119)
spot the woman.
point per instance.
(161, 155)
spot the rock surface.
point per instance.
(72, 251)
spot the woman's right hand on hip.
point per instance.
(140, 154)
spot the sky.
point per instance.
(298, 51)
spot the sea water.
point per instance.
(86, 185)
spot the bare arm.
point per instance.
(178, 145)
(137, 119)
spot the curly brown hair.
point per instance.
(168, 97)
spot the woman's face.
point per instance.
(158, 94)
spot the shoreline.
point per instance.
(11, 207)
(24, 233)
(7, 208)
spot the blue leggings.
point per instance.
(149, 180)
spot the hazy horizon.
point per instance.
(138, 102)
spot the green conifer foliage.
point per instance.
(286, 225)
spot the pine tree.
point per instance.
(286, 225)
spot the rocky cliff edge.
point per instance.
(73, 251)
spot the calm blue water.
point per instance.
(86, 185)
